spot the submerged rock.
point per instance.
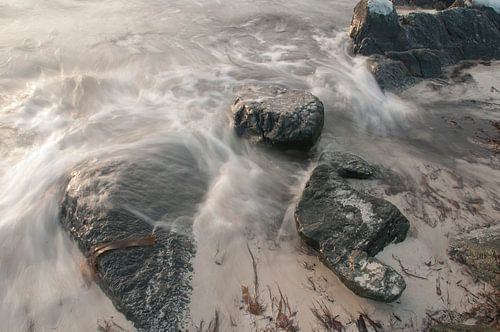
(154, 194)
(480, 252)
(278, 116)
(348, 227)
(390, 74)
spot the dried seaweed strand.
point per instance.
(98, 250)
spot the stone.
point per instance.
(480, 252)
(391, 75)
(375, 32)
(423, 63)
(347, 227)
(462, 328)
(370, 278)
(463, 33)
(349, 166)
(425, 42)
(428, 4)
(278, 116)
(151, 194)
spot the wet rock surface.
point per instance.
(155, 194)
(278, 116)
(480, 252)
(422, 42)
(428, 4)
(348, 227)
(462, 328)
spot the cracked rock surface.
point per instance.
(278, 116)
(348, 227)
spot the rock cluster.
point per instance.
(422, 42)
(121, 200)
(348, 227)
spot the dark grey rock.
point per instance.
(156, 193)
(278, 115)
(429, 4)
(462, 328)
(368, 277)
(480, 252)
(374, 33)
(349, 166)
(425, 42)
(390, 74)
(348, 227)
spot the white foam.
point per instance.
(382, 7)
(495, 4)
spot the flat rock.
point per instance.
(278, 116)
(153, 194)
(480, 252)
(348, 227)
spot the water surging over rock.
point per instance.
(154, 194)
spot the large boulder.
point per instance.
(114, 203)
(375, 28)
(278, 116)
(480, 252)
(348, 227)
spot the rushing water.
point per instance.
(83, 80)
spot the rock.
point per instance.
(348, 227)
(370, 278)
(278, 116)
(390, 74)
(423, 63)
(463, 33)
(349, 166)
(462, 328)
(429, 4)
(481, 4)
(157, 194)
(480, 251)
(424, 42)
(375, 30)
